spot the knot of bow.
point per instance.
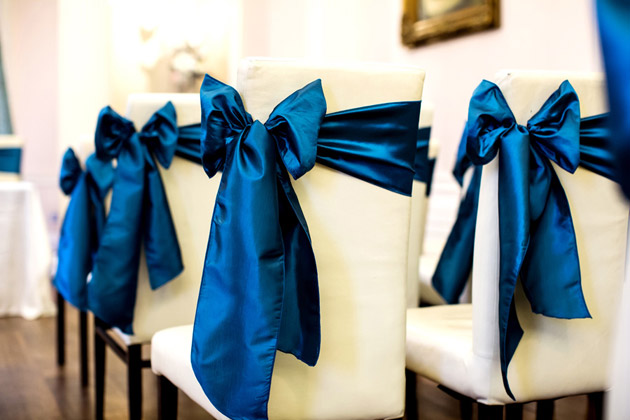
(537, 238)
(159, 134)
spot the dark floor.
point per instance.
(33, 387)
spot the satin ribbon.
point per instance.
(139, 214)
(259, 291)
(537, 239)
(614, 30)
(423, 165)
(82, 225)
(10, 158)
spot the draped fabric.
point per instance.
(537, 239)
(82, 225)
(10, 158)
(259, 291)
(139, 214)
(139, 191)
(455, 264)
(614, 30)
(423, 165)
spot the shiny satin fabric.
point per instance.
(455, 264)
(614, 30)
(10, 159)
(82, 225)
(537, 240)
(139, 214)
(259, 291)
(423, 165)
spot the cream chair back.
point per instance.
(419, 209)
(191, 199)
(360, 236)
(551, 348)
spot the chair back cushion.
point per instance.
(556, 357)
(360, 236)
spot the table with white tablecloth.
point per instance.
(25, 254)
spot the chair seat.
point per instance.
(170, 356)
(439, 345)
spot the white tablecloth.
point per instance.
(25, 254)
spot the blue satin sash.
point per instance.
(10, 159)
(82, 224)
(614, 29)
(423, 165)
(139, 214)
(259, 291)
(536, 229)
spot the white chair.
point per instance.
(360, 239)
(191, 199)
(419, 209)
(457, 346)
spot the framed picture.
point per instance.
(426, 21)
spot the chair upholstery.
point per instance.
(419, 209)
(191, 199)
(462, 352)
(360, 239)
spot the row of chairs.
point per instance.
(367, 242)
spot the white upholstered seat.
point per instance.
(360, 239)
(458, 346)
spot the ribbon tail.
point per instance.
(162, 251)
(238, 319)
(514, 225)
(112, 291)
(300, 332)
(551, 272)
(455, 264)
(75, 255)
(510, 332)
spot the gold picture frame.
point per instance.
(426, 21)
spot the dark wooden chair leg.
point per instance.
(61, 330)
(134, 381)
(167, 399)
(490, 412)
(595, 406)
(83, 347)
(99, 372)
(411, 399)
(544, 410)
(466, 409)
(514, 412)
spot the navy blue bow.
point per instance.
(259, 291)
(537, 239)
(82, 225)
(139, 214)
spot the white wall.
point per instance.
(28, 30)
(534, 34)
